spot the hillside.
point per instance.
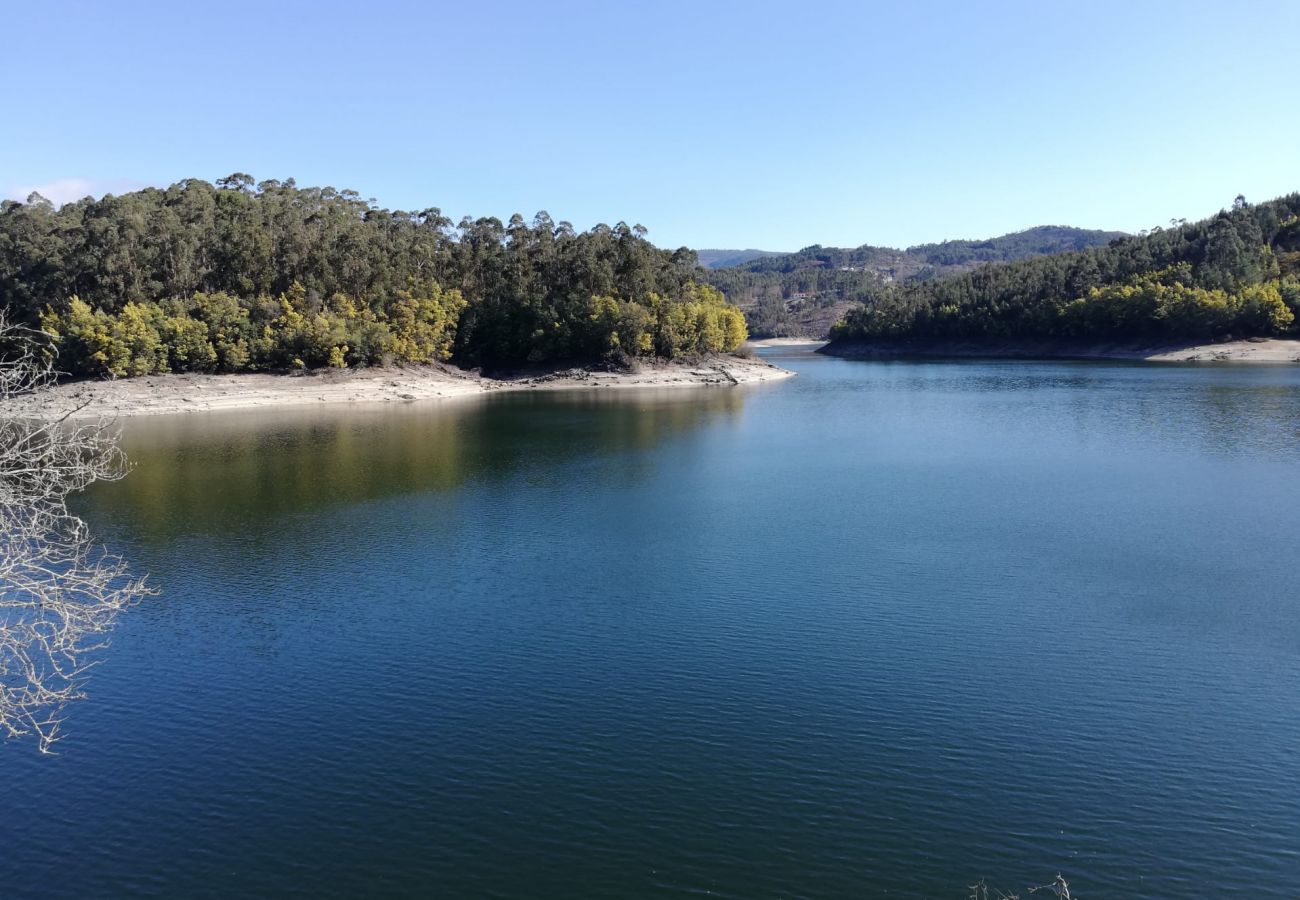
(244, 276)
(804, 293)
(1235, 274)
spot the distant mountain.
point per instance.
(804, 293)
(721, 259)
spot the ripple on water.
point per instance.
(883, 629)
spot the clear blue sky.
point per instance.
(771, 125)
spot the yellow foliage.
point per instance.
(1159, 301)
(221, 332)
(423, 324)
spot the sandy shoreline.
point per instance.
(1259, 350)
(169, 394)
(786, 342)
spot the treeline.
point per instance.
(239, 276)
(1237, 273)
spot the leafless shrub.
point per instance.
(60, 591)
(981, 891)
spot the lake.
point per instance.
(883, 629)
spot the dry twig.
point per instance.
(60, 591)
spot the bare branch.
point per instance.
(981, 891)
(1060, 887)
(60, 591)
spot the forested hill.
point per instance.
(805, 292)
(1235, 273)
(1040, 241)
(243, 276)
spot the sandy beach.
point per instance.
(168, 394)
(1256, 350)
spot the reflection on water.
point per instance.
(1225, 409)
(211, 472)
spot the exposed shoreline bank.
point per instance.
(785, 342)
(1258, 350)
(169, 394)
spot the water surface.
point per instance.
(879, 630)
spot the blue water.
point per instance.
(883, 629)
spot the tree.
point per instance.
(60, 591)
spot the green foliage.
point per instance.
(241, 277)
(1226, 275)
(231, 329)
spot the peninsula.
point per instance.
(1226, 288)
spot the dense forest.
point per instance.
(241, 276)
(805, 292)
(1236, 273)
